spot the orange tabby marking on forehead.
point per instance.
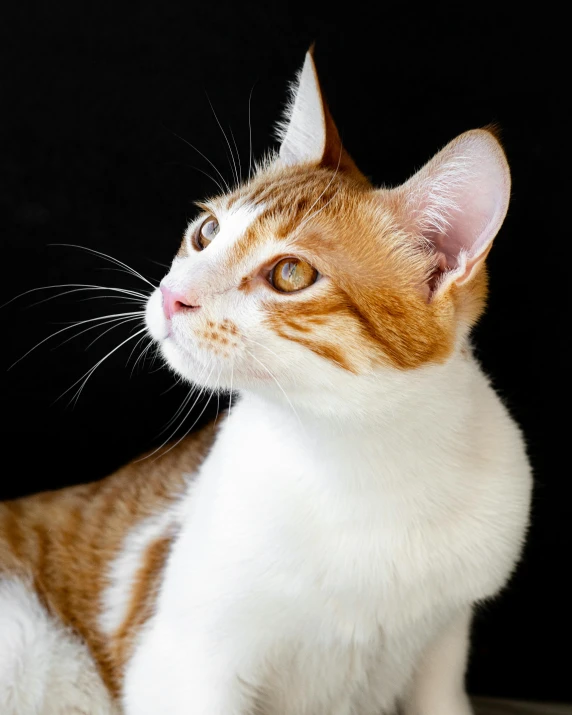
(374, 266)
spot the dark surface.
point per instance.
(485, 706)
(93, 99)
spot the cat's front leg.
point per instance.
(199, 676)
(438, 687)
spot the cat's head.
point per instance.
(308, 278)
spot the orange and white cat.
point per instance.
(320, 551)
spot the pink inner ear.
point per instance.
(458, 202)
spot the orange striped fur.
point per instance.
(63, 542)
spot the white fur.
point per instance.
(342, 529)
(124, 568)
(303, 131)
(325, 563)
(44, 668)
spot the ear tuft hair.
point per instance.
(456, 204)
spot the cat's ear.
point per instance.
(457, 203)
(308, 133)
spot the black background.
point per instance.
(92, 100)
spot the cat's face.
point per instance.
(308, 278)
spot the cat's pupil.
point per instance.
(292, 274)
(210, 229)
(288, 270)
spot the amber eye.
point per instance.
(208, 230)
(292, 274)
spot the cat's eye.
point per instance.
(292, 274)
(207, 231)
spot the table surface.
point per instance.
(485, 706)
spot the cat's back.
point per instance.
(90, 557)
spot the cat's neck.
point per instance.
(402, 422)
(434, 395)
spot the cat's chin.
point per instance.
(182, 362)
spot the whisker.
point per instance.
(207, 403)
(209, 176)
(233, 166)
(171, 387)
(185, 402)
(181, 423)
(123, 322)
(120, 270)
(125, 300)
(158, 263)
(255, 342)
(142, 355)
(217, 394)
(301, 225)
(303, 221)
(79, 286)
(133, 349)
(276, 381)
(69, 327)
(280, 357)
(237, 154)
(230, 394)
(181, 407)
(204, 157)
(84, 378)
(117, 321)
(132, 271)
(250, 134)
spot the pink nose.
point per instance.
(173, 302)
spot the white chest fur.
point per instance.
(317, 560)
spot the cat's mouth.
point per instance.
(216, 348)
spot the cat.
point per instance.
(321, 549)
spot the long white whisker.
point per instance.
(142, 355)
(117, 321)
(230, 393)
(281, 358)
(109, 258)
(195, 387)
(84, 378)
(207, 403)
(172, 387)
(250, 135)
(224, 181)
(218, 394)
(69, 327)
(304, 220)
(182, 406)
(301, 225)
(276, 381)
(196, 168)
(255, 342)
(237, 154)
(79, 286)
(126, 299)
(158, 263)
(192, 407)
(233, 166)
(122, 322)
(120, 270)
(133, 349)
